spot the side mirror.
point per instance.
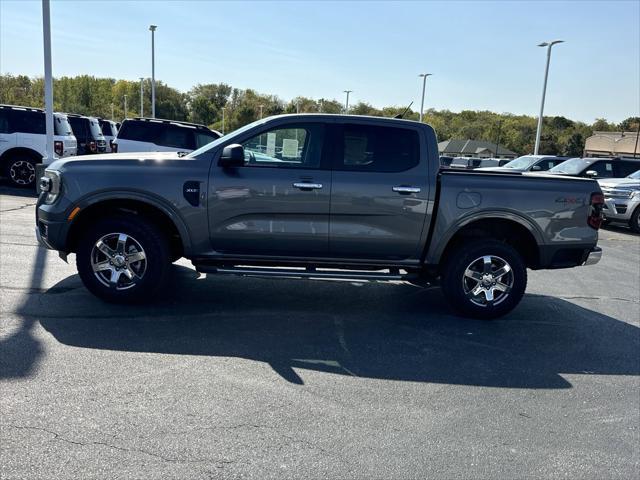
(592, 173)
(536, 168)
(232, 156)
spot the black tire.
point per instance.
(458, 287)
(634, 223)
(143, 235)
(20, 169)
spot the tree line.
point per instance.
(204, 103)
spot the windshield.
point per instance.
(521, 163)
(572, 166)
(224, 138)
(635, 175)
(62, 126)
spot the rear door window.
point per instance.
(626, 168)
(603, 168)
(177, 137)
(138, 131)
(377, 149)
(203, 138)
(28, 122)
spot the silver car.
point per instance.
(622, 200)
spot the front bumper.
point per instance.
(594, 256)
(619, 208)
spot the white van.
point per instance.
(23, 142)
(154, 135)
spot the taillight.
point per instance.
(92, 147)
(58, 147)
(114, 146)
(595, 212)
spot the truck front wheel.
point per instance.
(123, 260)
(484, 280)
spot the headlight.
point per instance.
(51, 184)
(635, 194)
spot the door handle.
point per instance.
(307, 186)
(404, 189)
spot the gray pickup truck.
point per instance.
(316, 196)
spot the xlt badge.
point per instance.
(191, 192)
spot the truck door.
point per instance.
(277, 204)
(379, 192)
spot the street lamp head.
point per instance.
(153, 27)
(425, 74)
(550, 44)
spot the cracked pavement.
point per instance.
(251, 378)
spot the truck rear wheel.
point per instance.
(484, 280)
(123, 260)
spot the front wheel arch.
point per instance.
(127, 207)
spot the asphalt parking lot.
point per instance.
(233, 377)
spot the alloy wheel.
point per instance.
(118, 261)
(22, 172)
(488, 280)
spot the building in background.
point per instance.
(473, 148)
(611, 144)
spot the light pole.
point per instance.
(223, 108)
(141, 97)
(112, 115)
(544, 91)
(424, 84)
(320, 106)
(297, 105)
(261, 107)
(48, 79)
(153, 71)
(346, 105)
(125, 106)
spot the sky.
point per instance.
(483, 55)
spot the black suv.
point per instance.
(155, 135)
(88, 133)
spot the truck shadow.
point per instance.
(392, 332)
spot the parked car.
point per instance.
(342, 197)
(153, 135)
(109, 131)
(467, 163)
(23, 142)
(528, 163)
(622, 200)
(597, 167)
(88, 133)
(445, 161)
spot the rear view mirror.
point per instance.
(592, 173)
(536, 168)
(232, 156)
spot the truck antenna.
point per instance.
(401, 115)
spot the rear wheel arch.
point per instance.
(516, 233)
(15, 151)
(168, 224)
